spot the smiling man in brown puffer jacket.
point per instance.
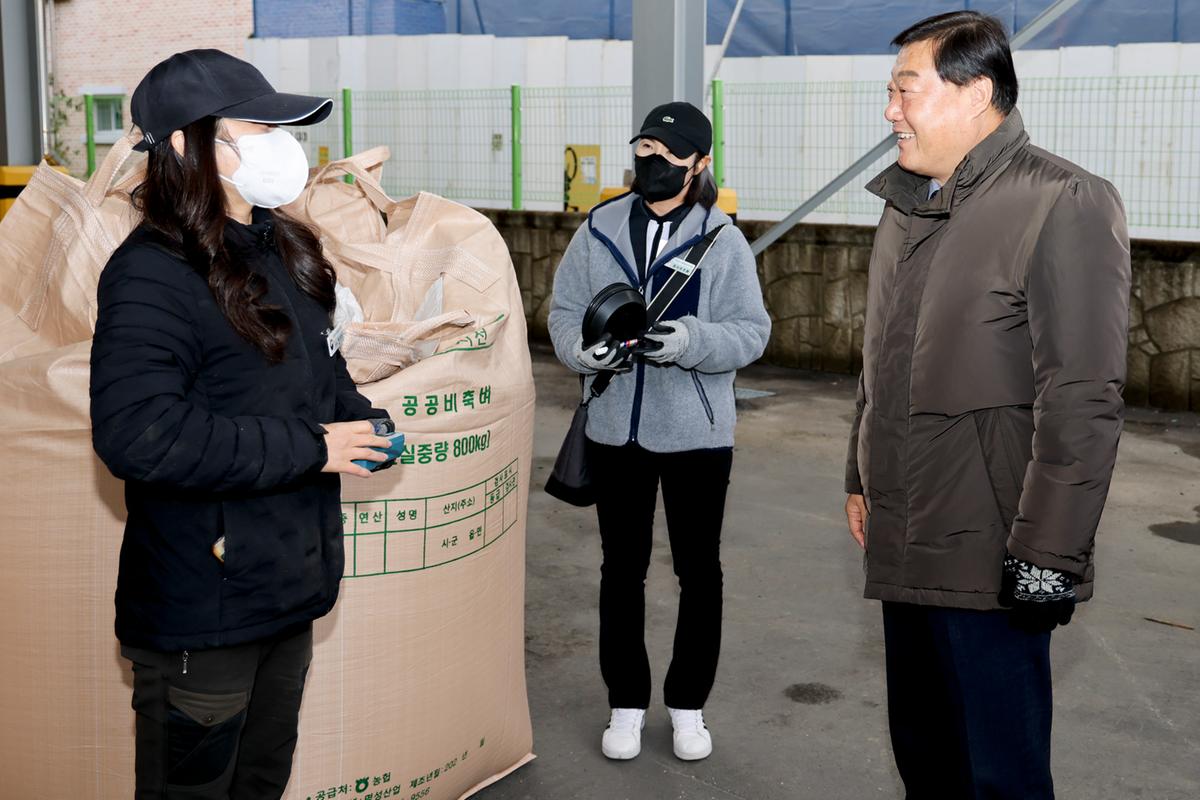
(989, 411)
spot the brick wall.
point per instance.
(815, 286)
(116, 42)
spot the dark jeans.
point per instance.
(226, 729)
(969, 704)
(694, 484)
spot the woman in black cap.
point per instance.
(218, 399)
(667, 415)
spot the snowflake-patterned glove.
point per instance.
(1041, 598)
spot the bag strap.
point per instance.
(598, 386)
(682, 270)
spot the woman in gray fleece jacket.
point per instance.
(668, 415)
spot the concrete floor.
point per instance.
(799, 707)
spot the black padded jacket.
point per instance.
(213, 440)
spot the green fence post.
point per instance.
(347, 127)
(516, 147)
(90, 125)
(718, 120)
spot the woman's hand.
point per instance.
(347, 442)
(670, 340)
(614, 356)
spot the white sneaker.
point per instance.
(692, 739)
(623, 736)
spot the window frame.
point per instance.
(111, 135)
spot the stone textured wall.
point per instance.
(815, 284)
(537, 241)
(1164, 335)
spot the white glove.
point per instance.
(603, 355)
(673, 338)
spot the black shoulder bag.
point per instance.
(571, 480)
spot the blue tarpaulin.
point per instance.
(766, 27)
(305, 19)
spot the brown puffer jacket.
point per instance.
(989, 406)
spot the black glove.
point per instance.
(1041, 598)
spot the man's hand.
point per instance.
(1041, 598)
(856, 517)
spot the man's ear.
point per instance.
(178, 142)
(702, 165)
(980, 93)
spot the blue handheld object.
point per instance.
(392, 451)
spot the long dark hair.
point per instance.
(182, 200)
(702, 189)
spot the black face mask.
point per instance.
(659, 179)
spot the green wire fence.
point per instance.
(774, 143)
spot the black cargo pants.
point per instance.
(224, 727)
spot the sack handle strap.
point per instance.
(419, 330)
(102, 179)
(372, 256)
(362, 166)
(459, 319)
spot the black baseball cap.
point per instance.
(681, 126)
(200, 83)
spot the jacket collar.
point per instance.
(609, 222)
(259, 235)
(909, 192)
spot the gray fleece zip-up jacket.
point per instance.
(675, 407)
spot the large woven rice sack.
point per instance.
(54, 242)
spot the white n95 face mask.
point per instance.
(273, 171)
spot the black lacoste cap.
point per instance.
(681, 126)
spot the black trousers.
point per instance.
(694, 485)
(969, 704)
(226, 728)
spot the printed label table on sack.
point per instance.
(385, 537)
